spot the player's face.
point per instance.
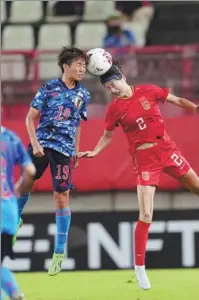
(77, 69)
(116, 87)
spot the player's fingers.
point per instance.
(82, 154)
(38, 154)
(76, 164)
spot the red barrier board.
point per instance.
(113, 169)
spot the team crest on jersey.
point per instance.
(78, 100)
(145, 176)
(145, 103)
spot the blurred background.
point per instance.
(156, 42)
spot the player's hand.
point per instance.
(88, 154)
(76, 161)
(197, 109)
(38, 150)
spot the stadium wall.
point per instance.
(112, 201)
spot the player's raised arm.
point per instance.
(184, 103)
(103, 142)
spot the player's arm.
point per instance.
(103, 142)
(33, 114)
(30, 125)
(77, 142)
(183, 103)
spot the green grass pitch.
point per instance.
(110, 285)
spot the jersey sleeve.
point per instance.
(84, 106)
(39, 99)
(110, 118)
(161, 94)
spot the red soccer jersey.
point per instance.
(139, 115)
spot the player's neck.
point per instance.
(128, 93)
(69, 82)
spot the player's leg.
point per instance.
(191, 181)
(2, 295)
(145, 200)
(60, 169)
(8, 281)
(41, 163)
(147, 170)
(178, 167)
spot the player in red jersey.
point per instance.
(136, 109)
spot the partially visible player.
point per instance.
(60, 104)
(135, 109)
(12, 153)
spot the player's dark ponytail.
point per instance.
(68, 55)
(114, 73)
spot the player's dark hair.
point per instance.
(68, 55)
(113, 73)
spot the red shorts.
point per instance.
(163, 157)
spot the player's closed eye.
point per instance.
(81, 65)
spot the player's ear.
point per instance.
(65, 67)
(124, 78)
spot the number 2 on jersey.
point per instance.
(141, 123)
(177, 160)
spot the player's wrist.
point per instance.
(95, 151)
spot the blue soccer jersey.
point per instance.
(61, 110)
(13, 153)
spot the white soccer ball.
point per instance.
(99, 61)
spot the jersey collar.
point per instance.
(64, 85)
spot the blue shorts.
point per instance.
(60, 166)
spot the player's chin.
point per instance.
(79, 77)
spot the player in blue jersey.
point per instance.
(12, 153)
(61, 104)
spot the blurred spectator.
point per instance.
(127, 8)
(135, 10)
(117, 36)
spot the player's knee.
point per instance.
(62, 199)
(195, 189)
(146, 217)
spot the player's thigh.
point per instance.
(61, 171)
(147, 166)
(41, 163)
(176, 165)
(6, 246)
(191, 181)
(146, 200)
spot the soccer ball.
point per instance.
(99, 61)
